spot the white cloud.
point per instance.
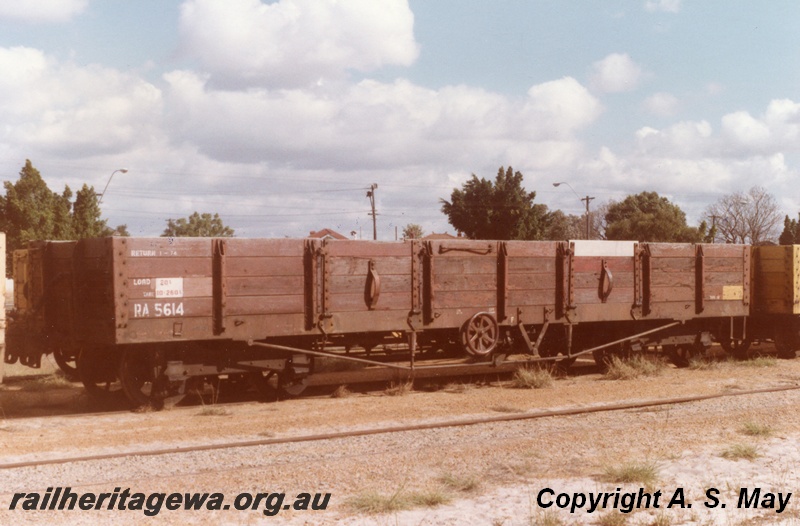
(615, 73)
(295, 42)
(744, 131)
(70, 110)
(661, 104)
(41, 10)
(375, 124)
(666, 6)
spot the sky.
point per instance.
(279, 115)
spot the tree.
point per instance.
(750, 217)
(560, 226)
(31, 211)
(649, 217)
(197, 225)
(86, 213)
(499, 210)
(412, 231)
(790, 234)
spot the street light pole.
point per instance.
(587, 199)
(123, 170)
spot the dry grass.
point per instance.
(740, 452)
(534, 378)
(759, 361)
(612, 518)
(46, 383)
(700, 363)
(399, 389)
(756, 429)
(341, 392)
(632, 472)
(461, 483)
(372, 502)
(635, 367)
(546, 518)
(457, 388)
(213, 410)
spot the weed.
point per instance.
(373, 502)
(457, 388)
(546, 518)
(740, 452)
(756, 429)
(428, 497)
(535, 378)
(465, 484)
(45, 383)
(613, 518)
(635, 367)
(213, 410)
(759, 361)
(662, 519)
(700, 363)
(641, 472)
(399, 389)
(341, 392)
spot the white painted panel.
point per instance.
(598, 248)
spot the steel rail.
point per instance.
(398, 429)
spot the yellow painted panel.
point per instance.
(733, 292)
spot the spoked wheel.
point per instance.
(736, 347)
(138, 379)
(97, 372)
(480, 335)
(68, 363)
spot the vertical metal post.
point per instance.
(371, 195)
(587, 199)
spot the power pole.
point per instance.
(371, 195)
(587, 199)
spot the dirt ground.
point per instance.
(483, 474)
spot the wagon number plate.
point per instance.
(165, 289)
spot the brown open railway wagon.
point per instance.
(158, 313)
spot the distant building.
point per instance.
(326, 233)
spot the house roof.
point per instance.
(434, 236)
(326, 233)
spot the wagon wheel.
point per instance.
(681, 355)
(97, 372)
(736, 347)
(602, 358)
(786, 342)
(138, 379)
(234, 387)
(68, 363)
(265, 384)
(292, 387)
(480, 335)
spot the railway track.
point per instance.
(398, 429)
